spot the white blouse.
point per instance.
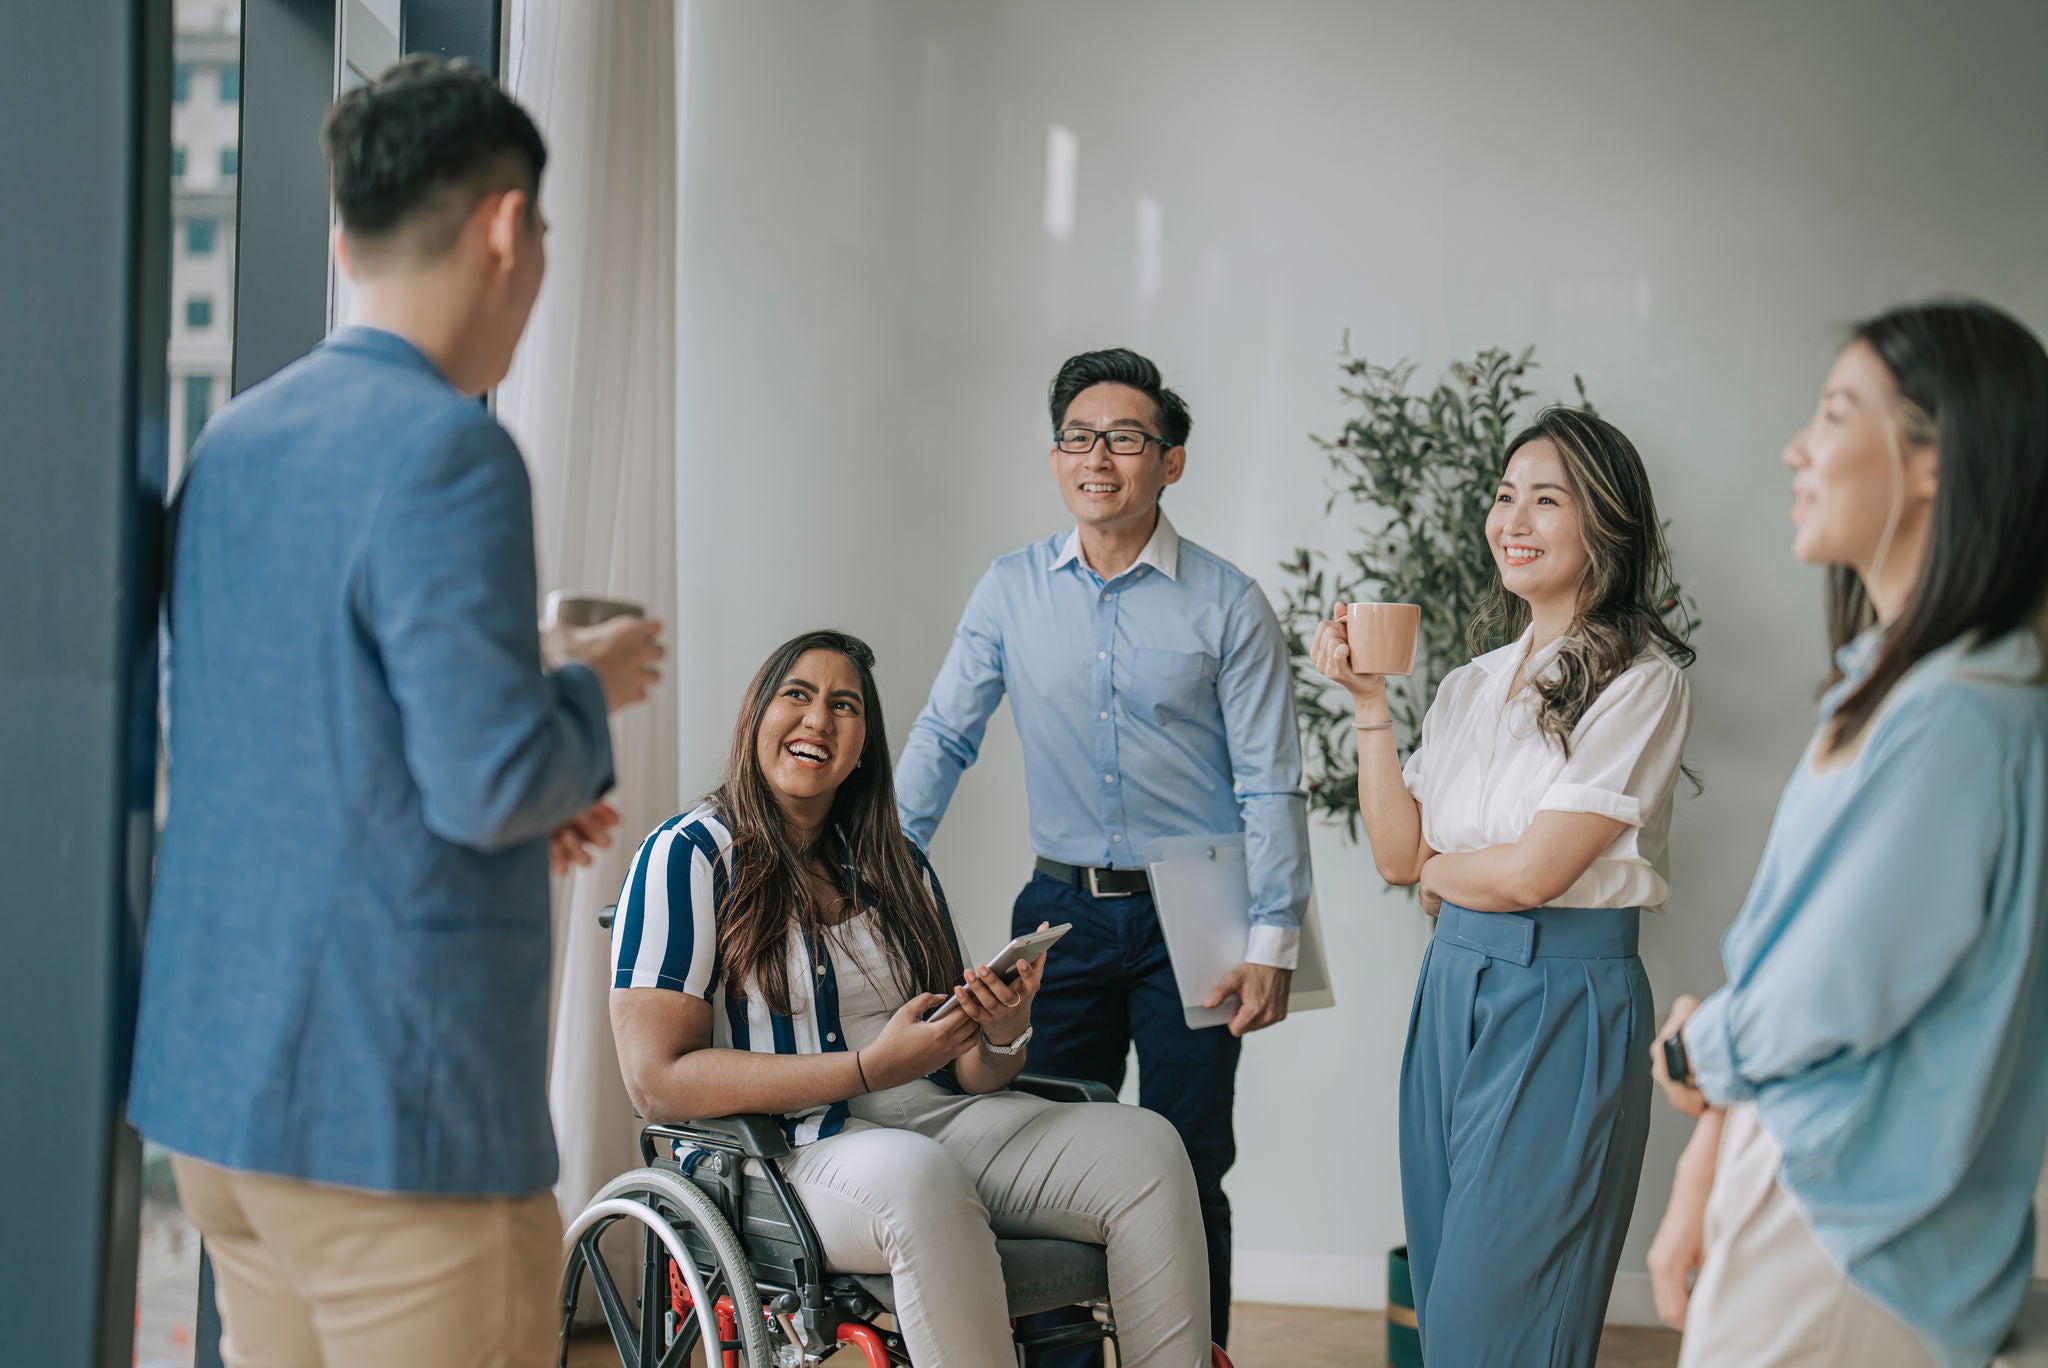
(1484, 769)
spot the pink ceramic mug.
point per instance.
(1382, 637)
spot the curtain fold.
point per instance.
(591, 401)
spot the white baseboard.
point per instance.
(1356, 1282)
(1350, 1282)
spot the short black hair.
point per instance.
(420, 145)
(1121, 366)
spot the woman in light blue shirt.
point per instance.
(1873, 1106)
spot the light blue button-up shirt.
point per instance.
(1153, 704)
(1887, 998)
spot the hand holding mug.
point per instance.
(1331, 653)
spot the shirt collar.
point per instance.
(1503, 660)
(1162, 550)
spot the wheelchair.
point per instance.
(730, 1261)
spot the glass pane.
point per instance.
(205, 133)
(205, 139)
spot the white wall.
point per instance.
(1683, 203)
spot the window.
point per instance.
(200, 235)
(231, 161)
(198, 312)
(198, 396)
(181, 83)
(177, 163)
(230, 84)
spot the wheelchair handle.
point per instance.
(606, 914)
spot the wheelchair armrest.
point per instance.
(1063, 1089)
(754, 1134)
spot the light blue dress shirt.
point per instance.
(1157, 703)
(1887, 997)
(346, 975)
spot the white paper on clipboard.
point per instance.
(1204, 899)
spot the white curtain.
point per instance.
(591, 399)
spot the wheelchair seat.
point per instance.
(1038, 1275)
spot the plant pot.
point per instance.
(1404, 1341)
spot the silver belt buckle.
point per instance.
(1095, 886)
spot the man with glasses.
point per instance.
(1149, 683)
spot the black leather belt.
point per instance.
(1099, 883)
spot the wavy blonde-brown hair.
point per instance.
(1628, 583)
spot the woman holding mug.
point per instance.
(1534, 814)
(776, 950)
(1865, 1197)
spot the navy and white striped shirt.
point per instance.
(666, 936)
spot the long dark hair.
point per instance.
(1973, 382)
(768, 897)
(1628, 573)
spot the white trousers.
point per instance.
(921, 1183)
(1768, 1296)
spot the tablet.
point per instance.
(1008, 960)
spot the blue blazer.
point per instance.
(346, 970)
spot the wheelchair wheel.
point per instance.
(681, 1229)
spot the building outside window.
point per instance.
(230, 161)
(230, 84)
(181, 83)
(198, 313)
(198, 406)
(201, 235)
(177, 163)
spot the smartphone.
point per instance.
(1677, 1067)
(1007, 961)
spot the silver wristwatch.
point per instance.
(1015, 1047)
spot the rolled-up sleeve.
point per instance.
(1626, 751)
(665, 933)
(1892, 899)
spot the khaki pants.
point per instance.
(1768, 1295)
(921, 1183)
(311, 1276)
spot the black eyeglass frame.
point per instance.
(1103, 435)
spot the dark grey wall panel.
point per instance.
(85, 143)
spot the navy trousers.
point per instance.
(1109, 985)
(1525, 1107)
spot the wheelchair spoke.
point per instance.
(624, 1335)
(653, 1297)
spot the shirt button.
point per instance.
(1103, 716)
(1117, 837)
(831, 1037)
(821, 971)
(1109, 778)
(1102, 655)
(1105, 598)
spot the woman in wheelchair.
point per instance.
(775, 951)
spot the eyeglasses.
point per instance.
(1079, 441)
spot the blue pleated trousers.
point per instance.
(1525, 1106)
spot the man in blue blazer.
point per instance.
(343, 1024)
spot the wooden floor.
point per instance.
(1308, 1337)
